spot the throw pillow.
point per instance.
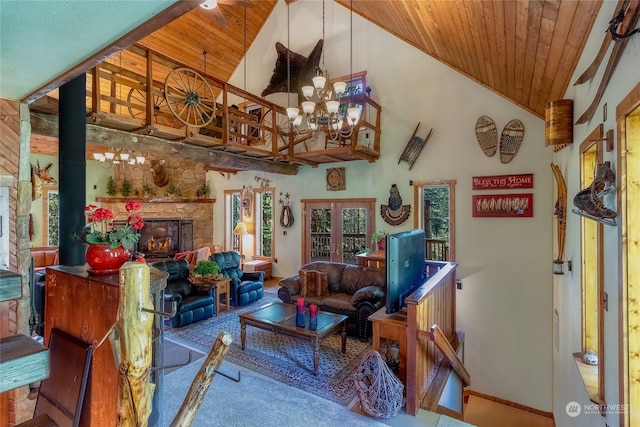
(313, 283)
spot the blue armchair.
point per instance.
(244, 288)
(193, 304)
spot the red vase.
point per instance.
(104, 260)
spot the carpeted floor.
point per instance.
(281, 358)
(256, 401)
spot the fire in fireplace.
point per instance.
(160, 237)
(164, 237)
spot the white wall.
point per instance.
(505, 307)
(567, 384)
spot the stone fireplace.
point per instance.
(179, 225)
(184, 220)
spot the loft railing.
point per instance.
(127, 92)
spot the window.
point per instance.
(264, 225)
(592, 275)
(434, 202)
(51, 221)
(628, 117)
(232, 216)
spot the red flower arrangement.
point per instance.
(99, 228)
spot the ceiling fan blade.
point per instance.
(220, 17)
(241, 3)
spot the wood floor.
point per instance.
(487, 413)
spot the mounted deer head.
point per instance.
(38, 178)
(160, 176)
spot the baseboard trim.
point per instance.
(468, 393)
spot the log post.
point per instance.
(132, 346)
(202, 381)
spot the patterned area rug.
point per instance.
(279, 357)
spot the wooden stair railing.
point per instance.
(449, 352)
(451, 404)
(434, 401)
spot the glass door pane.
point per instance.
(336, 231)
(353, 234)
(320, 230)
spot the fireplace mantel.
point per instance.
(153, 200)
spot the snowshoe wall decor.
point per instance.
(487, 135)
(511, 140)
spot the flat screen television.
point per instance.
(405, 261)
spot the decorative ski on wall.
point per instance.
(604, 47)
(626, 20)
(560, 211)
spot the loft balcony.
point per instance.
(126, 93)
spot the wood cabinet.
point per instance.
(375, 259)
(86, 307)
(391, 327)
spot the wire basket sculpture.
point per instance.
(379, 390)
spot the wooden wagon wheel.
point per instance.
(190, 97)
(137, 104)
(282, 124)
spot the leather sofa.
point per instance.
(193, 304)
(244, 288)
(356, 292)
(44, 257)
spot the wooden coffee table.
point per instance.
(280, 318)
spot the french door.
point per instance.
(336, 230)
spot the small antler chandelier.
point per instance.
(118, 157)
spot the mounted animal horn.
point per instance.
(160, 175)
(38, 178)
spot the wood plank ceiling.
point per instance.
(525, 51)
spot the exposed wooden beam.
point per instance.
(160, 20)
(45, 125)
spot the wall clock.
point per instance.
(336, 179)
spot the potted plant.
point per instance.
(202, 191)
(379, 239)
(206, 268)
(109, 248)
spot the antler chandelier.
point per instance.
(118, 157)
(323, 108)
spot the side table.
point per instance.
(258, 265)
(221, 285)
(391, 327)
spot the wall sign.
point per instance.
(503, 205)
(502, 182)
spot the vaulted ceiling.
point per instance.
(526, 51)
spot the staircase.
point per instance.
(22, 360)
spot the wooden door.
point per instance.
(336, 230)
